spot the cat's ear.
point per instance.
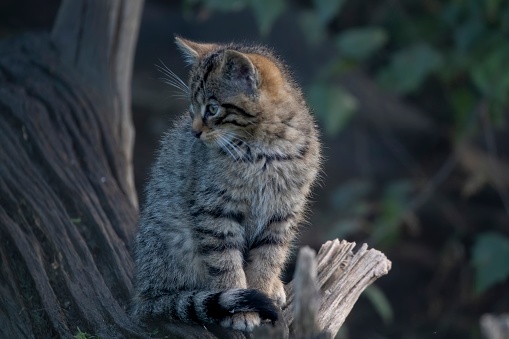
(192, 51)
(240, 69)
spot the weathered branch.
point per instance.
(306, 299)
(342, 276)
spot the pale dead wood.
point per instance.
(306, 300)
(495, 326)
(342, 276)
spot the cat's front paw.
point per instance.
(278, 293)
(244, 321)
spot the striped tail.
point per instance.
(206, 307)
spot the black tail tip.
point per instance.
(261, 303)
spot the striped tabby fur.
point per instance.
(227, 192)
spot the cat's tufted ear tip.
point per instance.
(193, 51)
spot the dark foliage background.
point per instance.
(412, 98)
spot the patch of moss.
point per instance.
(85, 335)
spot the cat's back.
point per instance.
(166, 192)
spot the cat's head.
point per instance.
(238, 91)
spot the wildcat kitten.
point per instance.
(227, 192)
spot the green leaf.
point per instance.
(333, 105)
(489, 259)
(409, 67)
(84, 335)
(490, 74)
(361, 43)
(467, 34)
(491, 78)
(327, 9)
(380, 302)
(266, 12)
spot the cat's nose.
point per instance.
(197, 127)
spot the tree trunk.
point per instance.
(66, 216)
(67, 198)
(67, 202)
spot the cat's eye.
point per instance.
(212, 109)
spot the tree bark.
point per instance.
(66, 217)
(67, 206)
(97, 39)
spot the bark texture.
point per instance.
(65, 216)
(97, 39)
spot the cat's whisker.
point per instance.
(165, 69)
(234, 136)
(166, 72)
(172, 79)
(234, 152)
(222, 143)
(233, 145)
(223, 146)
(180, 96)
(179, 82)
(174, 84)
(235, 148)
(252, 123)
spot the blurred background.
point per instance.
(412, 98)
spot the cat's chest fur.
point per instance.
(265, 190)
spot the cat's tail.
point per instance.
(205, 306)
